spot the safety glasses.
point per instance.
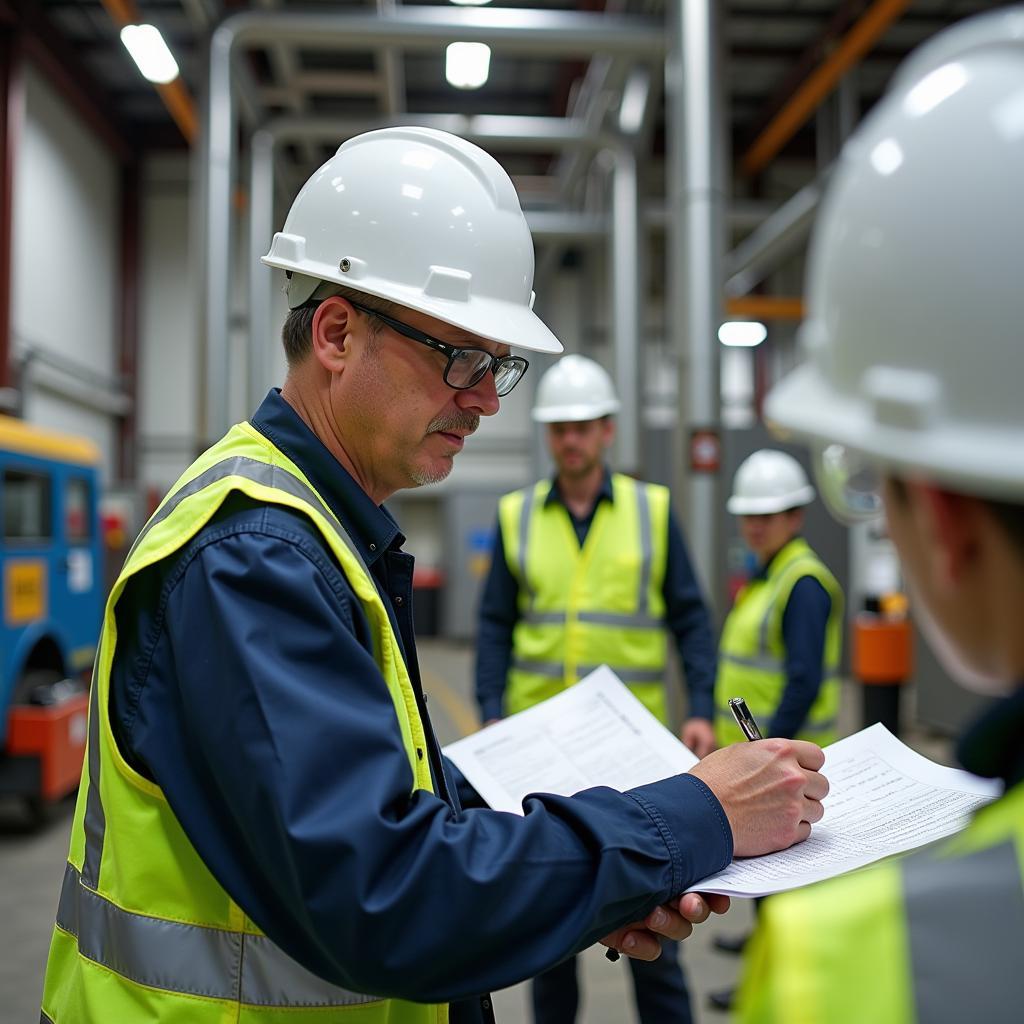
(849, 482)
(466, 366)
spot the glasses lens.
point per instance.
(508, 373)
(467, 366)
(850, 484)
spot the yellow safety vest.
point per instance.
(144, 931)
(934, 938)
(583, 607)
(752, 654)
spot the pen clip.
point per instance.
(744, 719)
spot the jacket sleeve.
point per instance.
(289, 775)
(687, 618)
(499, 612)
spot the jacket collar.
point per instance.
(371, 526)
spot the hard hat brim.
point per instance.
(738, 506)
(577, 413)
(505, 323)
(974, 458)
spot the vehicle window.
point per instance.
(27, 501)
(76, 510)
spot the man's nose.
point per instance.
(482, 398)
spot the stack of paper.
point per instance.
(884, 797)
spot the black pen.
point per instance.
(744, 719)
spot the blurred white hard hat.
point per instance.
(769, 481)
(422, 218)
(915, 328)
(574, 389)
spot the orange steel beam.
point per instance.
(766, 307)
(175, 94)
(851, 49)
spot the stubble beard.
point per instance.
(458, 421)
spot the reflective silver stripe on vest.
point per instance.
(189, 959)
(556, 670)
(524, 535)
(95, 821)
(43, 1019)
(596, 618)
(766, 663)
(261, 473)
(966, 961)
(643, 513)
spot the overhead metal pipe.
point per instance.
(537, 33)
(695, 247)
(779, 235)
(850, 50)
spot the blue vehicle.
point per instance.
(51, 605)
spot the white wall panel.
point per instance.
(168, 325)
(65, 240)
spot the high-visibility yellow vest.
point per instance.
(144, 931)
(583, 607)
(934, 938)
(752, 654)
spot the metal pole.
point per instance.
(625, 312)
(219, 142)
(697, 203)
(261, 278)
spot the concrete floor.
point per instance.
(31, 865)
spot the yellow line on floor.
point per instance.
(456, 707)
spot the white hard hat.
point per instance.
(574, 389)
(422, 218)
(915, 329)
(769, 481)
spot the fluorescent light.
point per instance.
(467, 64)
(742, 333)
(150, 53)
(471, 3)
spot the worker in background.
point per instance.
(782, 639)
(266, 826)
(590, 568)
(915, 361)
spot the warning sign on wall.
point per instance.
(705, 451)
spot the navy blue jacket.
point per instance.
(244, 685)
(686, 617)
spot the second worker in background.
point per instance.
(591, 568)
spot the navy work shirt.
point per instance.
(244, 685)
(686, 616)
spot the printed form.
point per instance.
(884, 797)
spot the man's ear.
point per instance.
(951, 528)
(331, 330)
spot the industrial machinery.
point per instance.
(50, 608)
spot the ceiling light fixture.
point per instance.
(742, 333)
(467, 64)
(150, 53)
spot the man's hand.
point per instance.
(641, 939)
(699, 735)
(771, 791)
